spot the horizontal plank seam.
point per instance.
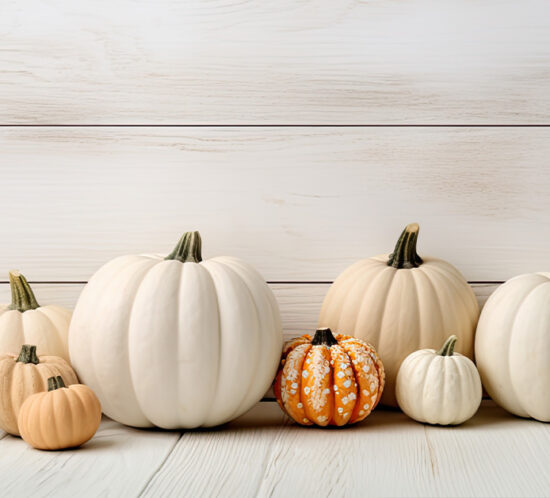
(269, 282)
(282, 125)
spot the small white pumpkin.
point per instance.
(176, 342)
(24, 321)
(440, 387)
(513, 346)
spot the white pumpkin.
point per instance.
(401, 303)
(176, 342)
(440, 387)
(513, 346)
(24, 321)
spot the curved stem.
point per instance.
(188, 249)
(28, 355)
(55, 383)
(448, 348)
(324, 337)
(404, 255)
(22, 296)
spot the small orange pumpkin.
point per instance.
(329, 380)
(62, 417)
(23, 375)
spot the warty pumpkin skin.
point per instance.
(328, 380)
(401, 303)
(440, 387)
(176, 342)
(24, 375)
(24, 321)
(62, 417)
(513, 346)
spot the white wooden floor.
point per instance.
(264, 454)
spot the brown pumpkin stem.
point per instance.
(55, 383)
(28, 354)
(22, 296)
(448, 348)
(188, 249)
(404, 255)
(324, 337)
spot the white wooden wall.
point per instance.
(297, 135)
(300, 136)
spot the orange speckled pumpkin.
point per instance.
(329, 380)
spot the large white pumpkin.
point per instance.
(513, 346)
(24, 321)
(401, 303)
(176, 342)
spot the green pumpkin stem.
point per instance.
(448, 348)
(324, 337)
(55, 383)
(404, 255)
(22, 296)
(188, 249)
(28, 354)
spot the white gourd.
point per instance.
(24, 321)
(439, 387)
(401, 303)
(513, 346)
(176, 342)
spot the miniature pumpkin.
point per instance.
(513, 346)
(24, 321)
(62, 417)
(176, 342)
(401, 303)
(440, 387)
(24, 375)
(329, 379)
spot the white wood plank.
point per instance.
(420, 61)
(492, 455)
(118, 461)
(228, 461)
(299, 303)
(298, 204)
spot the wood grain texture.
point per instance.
(386, 455)
(299, 304)
(298, 204)
(263, 454)
(421, 61)
(118, 461)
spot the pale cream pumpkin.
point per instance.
(62, 417)
(24, 321)
(440, 387)
(513, 346)
(24, 375)
(401, 303)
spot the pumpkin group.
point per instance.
(401, 303)
(329, 380)
(440, 387)
(176, 342)
(24, 375)
(62, 417)
(24, 321)
(513, 346)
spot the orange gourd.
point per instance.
(24, 375)
(62, 417)
(329, 380)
